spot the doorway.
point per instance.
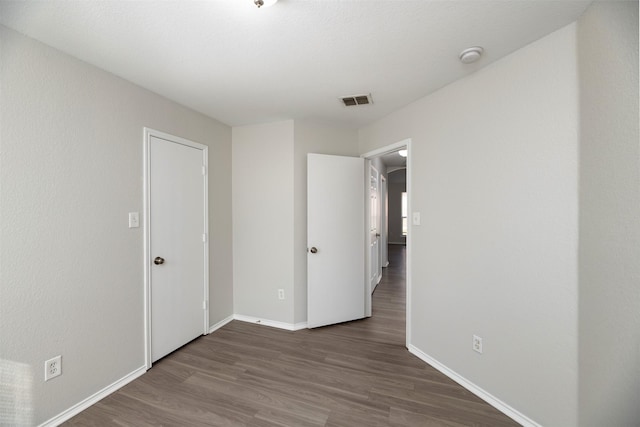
(333, 250)
(394, 162)
(176, 243)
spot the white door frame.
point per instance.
(406, 143)
(148, 133)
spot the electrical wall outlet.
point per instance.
(477, 344)
(280, 293)
(53, 368)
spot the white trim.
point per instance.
(509, 411)
(387, 149)
(368, 289)
(220, 324)
(369, 286)
(409, 242)
(93, 399)
(147, 249)
(272, 323)
(300, 325)
(148, 133)
(205, 226)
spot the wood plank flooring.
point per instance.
(352, 374)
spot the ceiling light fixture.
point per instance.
(265, 3)
(471, 54)
(402, 153)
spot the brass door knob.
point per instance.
(158, 260)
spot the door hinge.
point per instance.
(204, 238)
(204, 170)
(204, 305)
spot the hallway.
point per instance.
(387, 323)
(352, 374)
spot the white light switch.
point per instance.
(134, 220)
(416, 218)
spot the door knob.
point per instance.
(158, 260)
(377, 234)
(313, 250)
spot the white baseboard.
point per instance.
(300, 325)
(482, 394)
(220, 324)
(81, 406)
(272, 323)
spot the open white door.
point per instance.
(335, 239)
(374, 228)
(384, 224)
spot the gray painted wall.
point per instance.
(71, 269)
(263, 220)
(609, 302)
(495, 177)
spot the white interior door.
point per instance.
(335, 239)
(384, 227)
(375, 273)
(177, 223)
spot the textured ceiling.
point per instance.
(242, 65)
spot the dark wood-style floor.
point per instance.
(352, 374)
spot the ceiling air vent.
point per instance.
(352, 100)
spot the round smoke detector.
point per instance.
(471, 54)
